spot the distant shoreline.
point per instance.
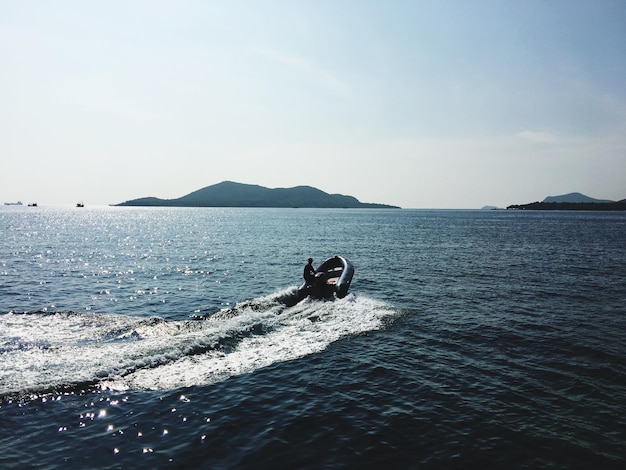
(231, 194)
(570, 206)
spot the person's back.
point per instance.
(309, 273)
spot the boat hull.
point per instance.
(333, 279)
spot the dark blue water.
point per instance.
(156, 338)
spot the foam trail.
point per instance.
(44, 352)
(307, 328)
(41, 352)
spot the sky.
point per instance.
(420, 104)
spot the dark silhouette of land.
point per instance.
(231, 194)
(572, 202)
(571, 206)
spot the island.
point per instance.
(572, 202)
(231, 194)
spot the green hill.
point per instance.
(572, 202)
(231, 194)
(574, 198)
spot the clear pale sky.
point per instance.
(421, 104)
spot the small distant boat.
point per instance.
(80, 204)
(332, 279)
(32, 204)
(18, 203)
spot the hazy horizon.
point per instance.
(374, 202)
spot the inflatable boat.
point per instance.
(332, 279)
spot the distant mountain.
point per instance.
(231, 194)
(572, 202)
(574, 197)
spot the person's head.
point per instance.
(310, 260)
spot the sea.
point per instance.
(158, 338)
